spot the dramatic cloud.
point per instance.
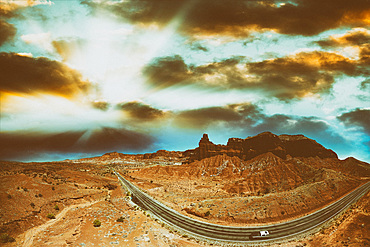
(110, 139)
(7, 32)
(365, 58)
(357, 37)
(175, 68)
(140, 111)
(285, 78)
(30, 145)
(237, 18)
(302, 74)
(28, 75)
(166, 71)
(235, 114)
(20, 145)
(357, 118)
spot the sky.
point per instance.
(82, 78)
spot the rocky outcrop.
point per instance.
(246, 149)
(163, 153)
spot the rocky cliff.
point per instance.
(246, 149)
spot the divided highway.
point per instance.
(232, 234)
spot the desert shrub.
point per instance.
(111, 186)
(53, 188)
(56, 207)
(25, 189)
(32, 204)
(51, 216)
(120, 219)
(207, 213)
(40, 195)
(97, 223)
(9, 196)
(5, 238)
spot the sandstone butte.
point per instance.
(246, 149)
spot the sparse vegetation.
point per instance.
(120, 219)
(9, 196)
(53, 188)
(56, 207)
(32, 204)
(97, 223)
(51, 216)
(5, 238)
(111, 186)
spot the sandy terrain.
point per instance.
(229, 191)
(84, 192)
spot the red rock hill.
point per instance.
(246, 149)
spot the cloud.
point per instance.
(29, 75)
(365, 58)
(23, 145)
(285, 78)
(237, 18)
(42, 40)
(357, 118)
(140, 111)
(365, 84)
(100, 105)
(166, 71)
(11, 9)
(285, 124)
(356, 37)
(31, 145)
(111, 139)
(300, 75)
(66, 48)
(234, 114)
(198, 47)
(7, 32)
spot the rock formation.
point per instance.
(246, 149)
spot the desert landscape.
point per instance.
(58, 203)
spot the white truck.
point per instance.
(259, 234)
(264, 233)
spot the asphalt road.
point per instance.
(232, 234)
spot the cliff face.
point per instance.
(246, 149)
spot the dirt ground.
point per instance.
(84, 193)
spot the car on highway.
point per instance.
(259, 234)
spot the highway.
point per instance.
(231, 234)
